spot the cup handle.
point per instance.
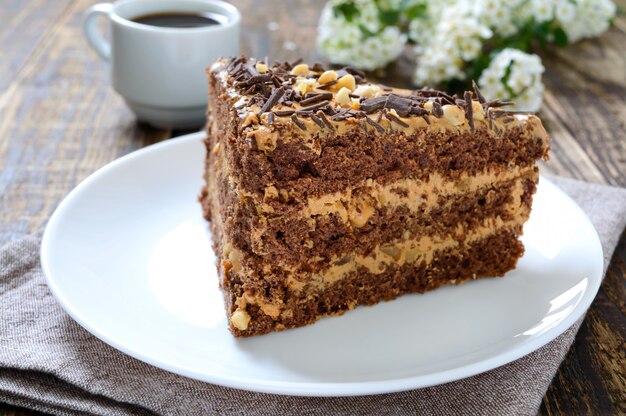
(92, 32)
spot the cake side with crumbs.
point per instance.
(326, 192)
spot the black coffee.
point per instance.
(180, 20)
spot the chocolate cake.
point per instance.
(326, 192)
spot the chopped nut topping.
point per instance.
(300, 69)
(328, 76)
(366, 91)
(304, 85)
(346, 81)
(343, 97)
(261, 67)
(453, 114)
(240, 319)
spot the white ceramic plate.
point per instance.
(127, 255)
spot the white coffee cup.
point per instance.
(160, 70)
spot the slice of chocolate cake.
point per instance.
(326, 192)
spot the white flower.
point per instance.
(498, 15)
(454, 40)
(542, 10)
(514, 75)
(345, 42)
(584, 18)
(565, 12)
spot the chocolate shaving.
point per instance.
(264, 90)
(317, 67)
(500, 113)
(469, 111)
(429, 92)
(417, 110)
(277, 81)
(270, 119)
(313, 107)
(437, 109)
(328, 84)
(479, 95)
(282, 113)
(325, 120)
(277, 94)
(315, 98)
(256, 79)
(250, 90)
(298, 122)
(342, 115)
(426, 118)
(370, 105)
(395, 119)
(317, 120)
(497, 103)
(402, 105)
(354, 72)
(375, 124)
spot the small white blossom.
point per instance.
(344, 42)
(498, 15)
(584, 18)
(514, 75)
(456, 39)
(565, 12)
(542, 10)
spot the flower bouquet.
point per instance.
(457, 41)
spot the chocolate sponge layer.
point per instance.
(490, 257)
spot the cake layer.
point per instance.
(295, 236)
(316, 161)
(258, 313)
(316, 270)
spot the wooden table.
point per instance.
(60, 121)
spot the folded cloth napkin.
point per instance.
(49, 363)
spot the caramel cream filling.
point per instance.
(358, 204)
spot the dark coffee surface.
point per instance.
(178, 20)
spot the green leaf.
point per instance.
(541, 32)
(389, 17)
(560, 37)
(348, 10)
(416, 11)
(368, 33)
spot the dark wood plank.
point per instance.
(586, 86)
(61, 121)
(23, 24)
(592, 378)
(585, 112)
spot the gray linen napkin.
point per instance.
(49, 363)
